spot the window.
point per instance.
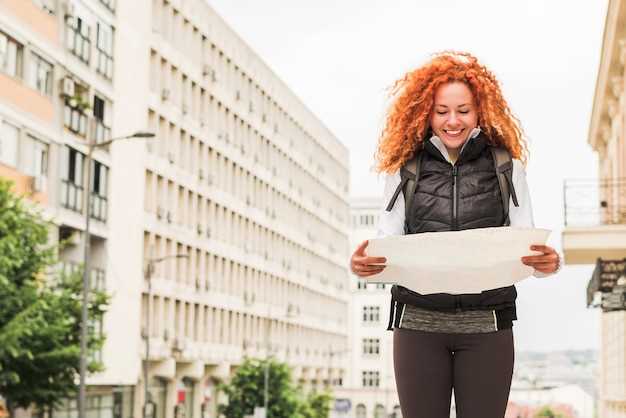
(371, 346)
(104, 48)
(361, 411)
(371, 314)
(361, 284)
(36, 161)
(102, 132)
(9, 138)
(41, 75)
(99, 193)
(10, 56)
(370, 378)
(78, 39)
(72, 179)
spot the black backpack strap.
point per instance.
(409, 176)
(504, 170)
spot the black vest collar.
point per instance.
(472, 150)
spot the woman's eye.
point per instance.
(441, 113)
(464, 111)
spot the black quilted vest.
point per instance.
(453, 198)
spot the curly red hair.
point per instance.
(407, 121)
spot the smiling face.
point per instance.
(454, 115)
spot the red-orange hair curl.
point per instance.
(407, 121)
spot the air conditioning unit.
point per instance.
(68, 87)
(39, 184)
(165, 94)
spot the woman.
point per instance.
(450, 114)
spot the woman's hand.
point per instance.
(364, 266)
(547, 262)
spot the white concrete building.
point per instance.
(242, 179)
(370, 381)
(595, 210)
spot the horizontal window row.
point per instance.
(371, 346)
(177, 204)
(208, 272)
(16, 61)
(79, 40)
(184, 323)
(236, 132)
(73, 164)
(216, 66)
(371, 314)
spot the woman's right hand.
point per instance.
(364, 266)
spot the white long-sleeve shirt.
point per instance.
(392, 223)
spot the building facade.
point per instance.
(370, 380)
(595, 214)
(239, 204)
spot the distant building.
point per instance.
(370, 381)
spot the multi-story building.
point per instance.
(595, 214)
(239, 203)
(56, 93)
(370, 381)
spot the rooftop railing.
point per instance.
(592, 202)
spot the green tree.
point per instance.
(39, 313)
(547, 412)
(245, 391)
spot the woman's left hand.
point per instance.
(547, 262)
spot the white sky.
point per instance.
(340, 56)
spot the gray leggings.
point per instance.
(429, 365)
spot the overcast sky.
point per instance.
(340, 56)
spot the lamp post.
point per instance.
(91, 145)
(148, 275)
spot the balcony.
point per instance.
(72, 199)
(595, 220)
(607, 286)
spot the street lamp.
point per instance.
(91, 145)
(148, 275)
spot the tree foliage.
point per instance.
(245, 391)
(40, 311)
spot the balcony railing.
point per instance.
(75, 119)
(71, 196)
(72, 199)
(594, 202)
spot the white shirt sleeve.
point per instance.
(391, 223)
(522, 215)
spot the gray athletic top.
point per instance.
(466, 322)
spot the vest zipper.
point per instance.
(454, 198)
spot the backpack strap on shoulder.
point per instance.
(504, 170)
(409, 176)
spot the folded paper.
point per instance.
(456, 262)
